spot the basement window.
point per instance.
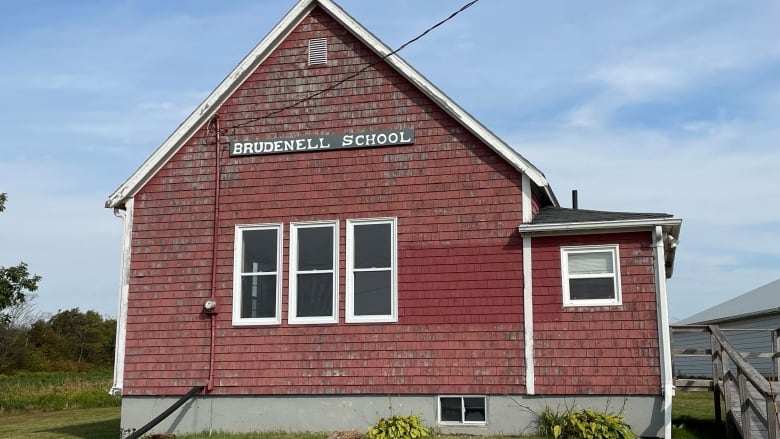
(590, 275)
(318, 52)
(257, 275)
(462, 410)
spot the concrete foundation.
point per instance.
(506, 415)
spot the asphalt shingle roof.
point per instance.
(555, 215)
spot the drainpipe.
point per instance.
(665, 344)
(528, 292)
(124, 288)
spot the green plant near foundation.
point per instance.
(582, 424)
(398, 427)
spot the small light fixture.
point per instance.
(210, 307)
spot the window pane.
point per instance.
(372, 246)
(372, 293)
(315, 295)
(258, 296)
(598, 288)
(259, 251)
(590, 263)
(450, 409)
(315, 248)
(474, 409)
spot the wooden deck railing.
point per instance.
(748, 397)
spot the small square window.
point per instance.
(590, 275)
(462, 410)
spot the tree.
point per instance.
(15, 282)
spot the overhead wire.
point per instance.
(356, 74)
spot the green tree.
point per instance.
(84, 339)
(15, 282)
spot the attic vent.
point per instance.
(318, 52)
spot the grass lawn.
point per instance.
(96, 423)
(693, 417)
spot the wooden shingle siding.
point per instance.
(596, 350)
(458, 204)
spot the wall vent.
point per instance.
(318, 52)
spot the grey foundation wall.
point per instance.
(506, 415)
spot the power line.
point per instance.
(359, 72)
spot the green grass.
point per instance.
(49, 391)
(693, 416)
(95, 423)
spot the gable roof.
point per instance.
(762, 300)
(247, 66)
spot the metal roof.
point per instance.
(762, 300)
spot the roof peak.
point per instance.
(205, 111)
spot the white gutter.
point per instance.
(665, 344)
(124, 289)
(597, 225)
(528, 293)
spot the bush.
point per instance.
(398, 427)
(583, 424)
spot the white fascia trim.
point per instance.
(208, 107)
(124, 293)
(559, 228)
(528, 316)
(665, 343)
(527, 204)
(447, 104)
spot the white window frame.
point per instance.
(292, 308)
(614, 250)
(350, 252)
(463, 420)
(238, 262)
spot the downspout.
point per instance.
(528, 303)
(124, 289)
(211, 312)
(665, 344)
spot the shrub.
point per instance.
(583, 424)
(398, 427)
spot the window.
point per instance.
(371, 273)
(462, 410)
(257, 275)
(591, 275)
(313, 272)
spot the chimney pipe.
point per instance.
(574, 204)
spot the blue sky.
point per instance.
(651, 106)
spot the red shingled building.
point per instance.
(373, 245)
